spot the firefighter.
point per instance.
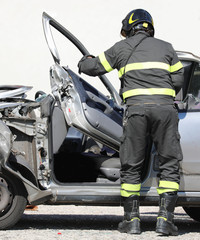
(151, 75)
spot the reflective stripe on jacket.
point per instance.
(140, 66)
(152, 69)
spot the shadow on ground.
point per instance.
(98, 222)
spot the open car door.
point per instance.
(84, 107)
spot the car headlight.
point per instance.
(5, 141)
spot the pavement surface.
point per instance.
(85, 223)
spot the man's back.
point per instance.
(145, 62)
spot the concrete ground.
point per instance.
(83, 222)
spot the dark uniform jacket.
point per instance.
(149, 68)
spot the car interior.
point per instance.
(80, 158)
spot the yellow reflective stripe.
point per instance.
(143, 65)
(104, 62)
(149, 91)
(131, 187)
(176, 67)
(125, 193)
(164, 190)
(135, 219)
(128, 189)
(168, 184)
(162, 218)
(150, 65)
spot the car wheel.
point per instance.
(193, 212)
(12, 200)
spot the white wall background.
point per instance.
(24, 55)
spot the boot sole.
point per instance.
(129, 232)
(166, 232)
(125, 227)
(166, 228)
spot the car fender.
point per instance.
(8, 161)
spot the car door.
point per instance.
(189, 114)
(84, 107)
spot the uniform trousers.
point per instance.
(160, 123)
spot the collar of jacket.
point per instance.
(141, 33)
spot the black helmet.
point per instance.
(137, 19)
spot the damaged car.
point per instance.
(63, 147)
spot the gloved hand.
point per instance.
(82, 60)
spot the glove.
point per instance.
(82, 60)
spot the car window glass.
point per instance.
(194, 89)
(188, 65)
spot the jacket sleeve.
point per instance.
(177, 73)
(99, 65)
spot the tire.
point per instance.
(13, 200)
(193, 212)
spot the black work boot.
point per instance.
(131, 222)
(165, 223)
